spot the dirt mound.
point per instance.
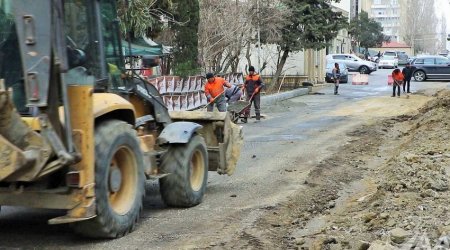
(412, 187)
(388, 187)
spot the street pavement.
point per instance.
(276, 157)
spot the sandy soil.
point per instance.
(387, 188)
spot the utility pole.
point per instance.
(259, 37)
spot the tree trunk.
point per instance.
(264, 65)
(235, 64)
(248, 56)
(280, 67)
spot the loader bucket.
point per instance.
(223, 138)
(23, 152)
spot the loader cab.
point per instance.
(11, 72)
(93, 41)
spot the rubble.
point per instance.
(403, 191)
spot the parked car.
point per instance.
(390, 53)
(431, 67)
(411, 59)
(388, 62)
(403, 58)
(374, 58)
(353, 63)
(329, 72)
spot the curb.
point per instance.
(272, 99)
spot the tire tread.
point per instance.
(104, 225)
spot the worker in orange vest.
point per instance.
(398, 77)
(215, 93)
(252, 85)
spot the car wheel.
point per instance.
(420, 76)
(364, 70)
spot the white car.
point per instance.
(353, 63)
(388, 62)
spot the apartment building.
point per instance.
(386, 12)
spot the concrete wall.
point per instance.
(315, 65)
(269, 53)
(272, 99)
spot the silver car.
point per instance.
(353, 63)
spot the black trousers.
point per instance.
(256, 101)
(393, 89)
(406, 85)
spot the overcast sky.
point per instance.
(443, 7)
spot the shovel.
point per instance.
(249, 104)
(203, 108)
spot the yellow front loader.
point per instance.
(77, 133)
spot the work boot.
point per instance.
(258, 117)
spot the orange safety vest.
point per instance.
(398, 77)
(252, 82)
(214, 88)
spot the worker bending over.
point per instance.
(214, 91)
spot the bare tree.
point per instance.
(220, 33)
(419, 26)
(228, 30)
(443, 35)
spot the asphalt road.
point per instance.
(276, 157)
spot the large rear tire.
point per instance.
(188, 168)
(119, 182)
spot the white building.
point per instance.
(342, 43)
(386, 12)
(344, 5)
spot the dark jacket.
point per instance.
(252, 82)
(407, 73)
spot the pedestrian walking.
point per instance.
(252, 86)
(336, 77)
(407, 73)
(398, 78)
(378, 57)
(215, 93)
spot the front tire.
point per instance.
(119, 182)
(420, 76)
(188, 168)
(364, 70)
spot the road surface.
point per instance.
(277, 155)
